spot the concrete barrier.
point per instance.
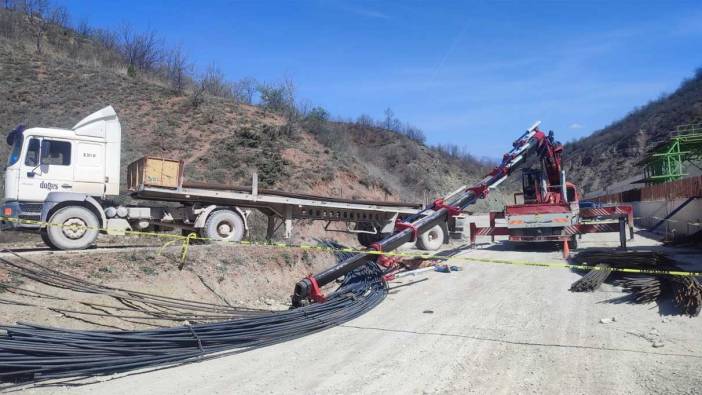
(686, 221)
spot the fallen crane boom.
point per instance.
(308, 289)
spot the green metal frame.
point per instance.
(666, 161)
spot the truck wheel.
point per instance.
(432, 239)
(45, 238)
(366, 239)
(224, 225)
(72, 228)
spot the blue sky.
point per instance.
(468, 73)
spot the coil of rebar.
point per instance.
(31, 353)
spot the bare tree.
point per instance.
(177, 69)
(390, 122)
(214, 83)
(105, 38)
(414, 133)
(365, 120)
(56, 24)
(58, 16)
(36, 11)
(244, 90)
(83, 28)
(141, 51)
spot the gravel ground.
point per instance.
(486, 329)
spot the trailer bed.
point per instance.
(159, 179)
(302, 196)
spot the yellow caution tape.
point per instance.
(186, 240)
(184, 248)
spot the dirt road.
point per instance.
(486, 329)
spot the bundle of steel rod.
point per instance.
(621, 259)
(30, 353)
(140, 305)
(686, 291)
(643, 289)
(592, 280)
(687, 294)
(608, 259)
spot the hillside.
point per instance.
(222, 140)
(610, 155)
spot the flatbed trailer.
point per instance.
(281, 208)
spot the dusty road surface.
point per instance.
(486, 329)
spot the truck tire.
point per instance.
(366, 239)
(224, 225)
(45, 238)
(72, 228)
(432, 239)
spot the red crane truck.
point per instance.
(550, 209)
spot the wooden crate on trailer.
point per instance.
(155, 172)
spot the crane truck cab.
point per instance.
(546, 211)
(60, 181)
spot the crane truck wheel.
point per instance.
(432, 239)
(72, 228)
(224, 225)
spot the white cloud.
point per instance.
(575, 125)
(367, 12)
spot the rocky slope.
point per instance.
(610, 155)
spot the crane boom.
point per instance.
(533, 140)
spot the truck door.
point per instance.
(89, 168)
(46, 167)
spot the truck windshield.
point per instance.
(15, 138)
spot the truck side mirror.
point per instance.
(45, 148)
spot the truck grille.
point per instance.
(30, 207)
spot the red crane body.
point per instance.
(550, 209)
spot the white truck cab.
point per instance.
(84, 159)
